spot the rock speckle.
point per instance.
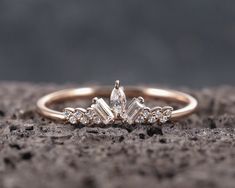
(195, 152)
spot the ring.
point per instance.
(118, 110)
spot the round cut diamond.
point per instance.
(140, 119)
(90, 114)
(72, 119)
(152, 119)
(78, 114)
(96, 120)
(146, 113)
(67, 113)
(168, 113)
(163, 119)
(84, 120)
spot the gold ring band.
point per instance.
(104, 91)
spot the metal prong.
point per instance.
(94, 100)
(69, 109)
(117, 84)
(80, 110)
(167, 108)
(157, 108)
(141, 99)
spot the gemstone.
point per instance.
(168, 112)
(163, 119)
(103, 111)
(90, 113)
(96, 120)
(163, 114)
(134, 109)
(158, 114)
(146, 113)
(118, 101)
(152, 119)
(78, 114)
(67, 113)
(72, 119)
(84, 120)
(140, 119)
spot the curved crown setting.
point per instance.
(136, 112)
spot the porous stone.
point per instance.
(194, 152)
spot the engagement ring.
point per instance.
(117, 110)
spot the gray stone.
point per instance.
(195, 152)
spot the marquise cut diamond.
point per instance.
(118, 100)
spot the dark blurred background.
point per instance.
(188, 42)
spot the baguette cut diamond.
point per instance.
(134, 109)
(103, 111)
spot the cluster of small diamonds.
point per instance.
(75, 116)
(157, 114)
(147, 115)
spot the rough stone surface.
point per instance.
(36, 152)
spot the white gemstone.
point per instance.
(168, 113)
(84, 120)
(67, 113)
(96, 120)
(78, 114)
(163, 119)
(118, 101)
(152, 119)
(140, 119)
(90, 113)
(102, 109)
(134, 109)
(158, 114)
(72, 119)
(146, 113)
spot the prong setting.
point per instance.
(117, 84)
(118, 111)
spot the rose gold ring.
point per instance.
(117, 111)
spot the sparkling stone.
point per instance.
(84, 120)
(146, 113)
(164, 114)
(158, 114)
(103, 111)
(168, 112)
(96, 120)
(78, 114)
(134, 109)
(140, 119)
(72, 119)
(118, 101)
(67, 113)
(90, 114)
(152, 119)
(163, 119)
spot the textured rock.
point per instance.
(36, 152)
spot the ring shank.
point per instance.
(104, 91)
